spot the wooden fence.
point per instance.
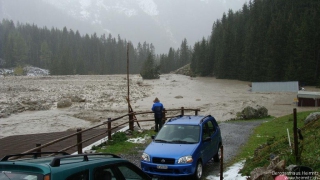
(131, 121)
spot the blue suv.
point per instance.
(182, 147)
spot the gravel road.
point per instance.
(235, 134)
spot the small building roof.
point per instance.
(308, 94)
(289, 86)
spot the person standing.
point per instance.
(157, 109)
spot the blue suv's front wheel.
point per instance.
(198, 172)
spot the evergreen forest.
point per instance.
(266, 40)
(65, 52)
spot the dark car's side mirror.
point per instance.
(207, 139)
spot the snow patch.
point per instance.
(84, 5)
(122, 9)
(28, 71)
(35, 71)
(139, 140)
(149, 7)
(232, 173)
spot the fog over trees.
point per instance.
(266, 40)
(66, 52)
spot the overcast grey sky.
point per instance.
(164, 23)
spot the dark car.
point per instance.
(182, 147)
(97, 166)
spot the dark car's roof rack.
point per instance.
(35, 155)
(56, 160)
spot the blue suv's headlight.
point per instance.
(185, 159)
(145, 157)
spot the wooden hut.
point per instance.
(308, 98)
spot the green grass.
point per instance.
(120, 148)
(120, 145)
(271, 138)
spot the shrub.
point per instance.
(118, 137)
(18, 71)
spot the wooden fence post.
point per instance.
(164, 116)
(79, 141)
(109, 129)
(295, 135)
(182, 111)
(39, 150)
(131, 122)
(221, 163)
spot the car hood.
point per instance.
(168, 150)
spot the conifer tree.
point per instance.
(149, 69)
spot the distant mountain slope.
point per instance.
(164, 23)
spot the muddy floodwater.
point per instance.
(28, 105)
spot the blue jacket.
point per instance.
(157, 109)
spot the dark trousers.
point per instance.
(158, 122)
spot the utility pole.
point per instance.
(128, 77)
(128, 97)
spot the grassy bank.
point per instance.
(270, 138)
(120, 145)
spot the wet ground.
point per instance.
(234, 135)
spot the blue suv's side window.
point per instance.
(205, 131)
(208, 129)
(211, 127)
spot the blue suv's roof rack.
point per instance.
(175, 118)
(180, 116)
(56, 160)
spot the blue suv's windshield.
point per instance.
(179, 134)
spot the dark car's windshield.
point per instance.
(177, 133)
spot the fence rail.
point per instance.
(131, 121)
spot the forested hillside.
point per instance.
(267, 40)
(66, 52)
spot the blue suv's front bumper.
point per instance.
(173, 170)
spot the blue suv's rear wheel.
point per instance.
(217, 157)
(198, 173)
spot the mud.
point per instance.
(29, 104)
